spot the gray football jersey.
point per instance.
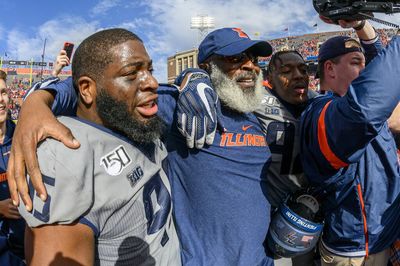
(285, 174)
(118, 189)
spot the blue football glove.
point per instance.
(196, 108)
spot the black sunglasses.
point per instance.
(241, 58)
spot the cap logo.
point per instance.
(241, 33)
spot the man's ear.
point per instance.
(206, 67)
(87, 90)
(329, 69)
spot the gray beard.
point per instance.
(232, 95)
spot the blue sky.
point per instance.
(164, 25)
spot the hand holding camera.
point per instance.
(353, 10)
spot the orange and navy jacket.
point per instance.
(11, 231)
(5, 148)
(349, 151)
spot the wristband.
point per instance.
(360, 26)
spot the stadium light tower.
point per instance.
(42, 63)
(202, 23)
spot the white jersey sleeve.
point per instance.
(70, 195)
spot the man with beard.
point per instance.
(221, 209)
(279, 114)
(222, 212)
(109, 201)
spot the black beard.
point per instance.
(115, 115)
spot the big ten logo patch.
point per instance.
(271, 105)
(135, 175)
(270, 100)
(115, 161)
(272, 111)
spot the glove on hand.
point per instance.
(196, 108)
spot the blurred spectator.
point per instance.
(12, 226)
(307, 45)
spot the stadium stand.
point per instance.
(20, 77)
(308, 46)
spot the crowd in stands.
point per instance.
(17, 88)
(307, 45)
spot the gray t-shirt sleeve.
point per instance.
(69, 185)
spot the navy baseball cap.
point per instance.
(230, 41)
(338, 45)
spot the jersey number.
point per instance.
(157, 204)
(42, 215)
(280, 138)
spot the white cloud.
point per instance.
(138, 24)
(103, 7)
(268, 18)
(22, 46)
(252, 16)
(171, 29)
(164, 25)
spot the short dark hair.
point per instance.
(3, 75)
(320, 66)
(93, 54)
(277, 57)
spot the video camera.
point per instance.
(356, 10)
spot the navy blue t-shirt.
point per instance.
(221, 210)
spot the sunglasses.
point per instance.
(241, 58)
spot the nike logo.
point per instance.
(201, 90)
(244, 128)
